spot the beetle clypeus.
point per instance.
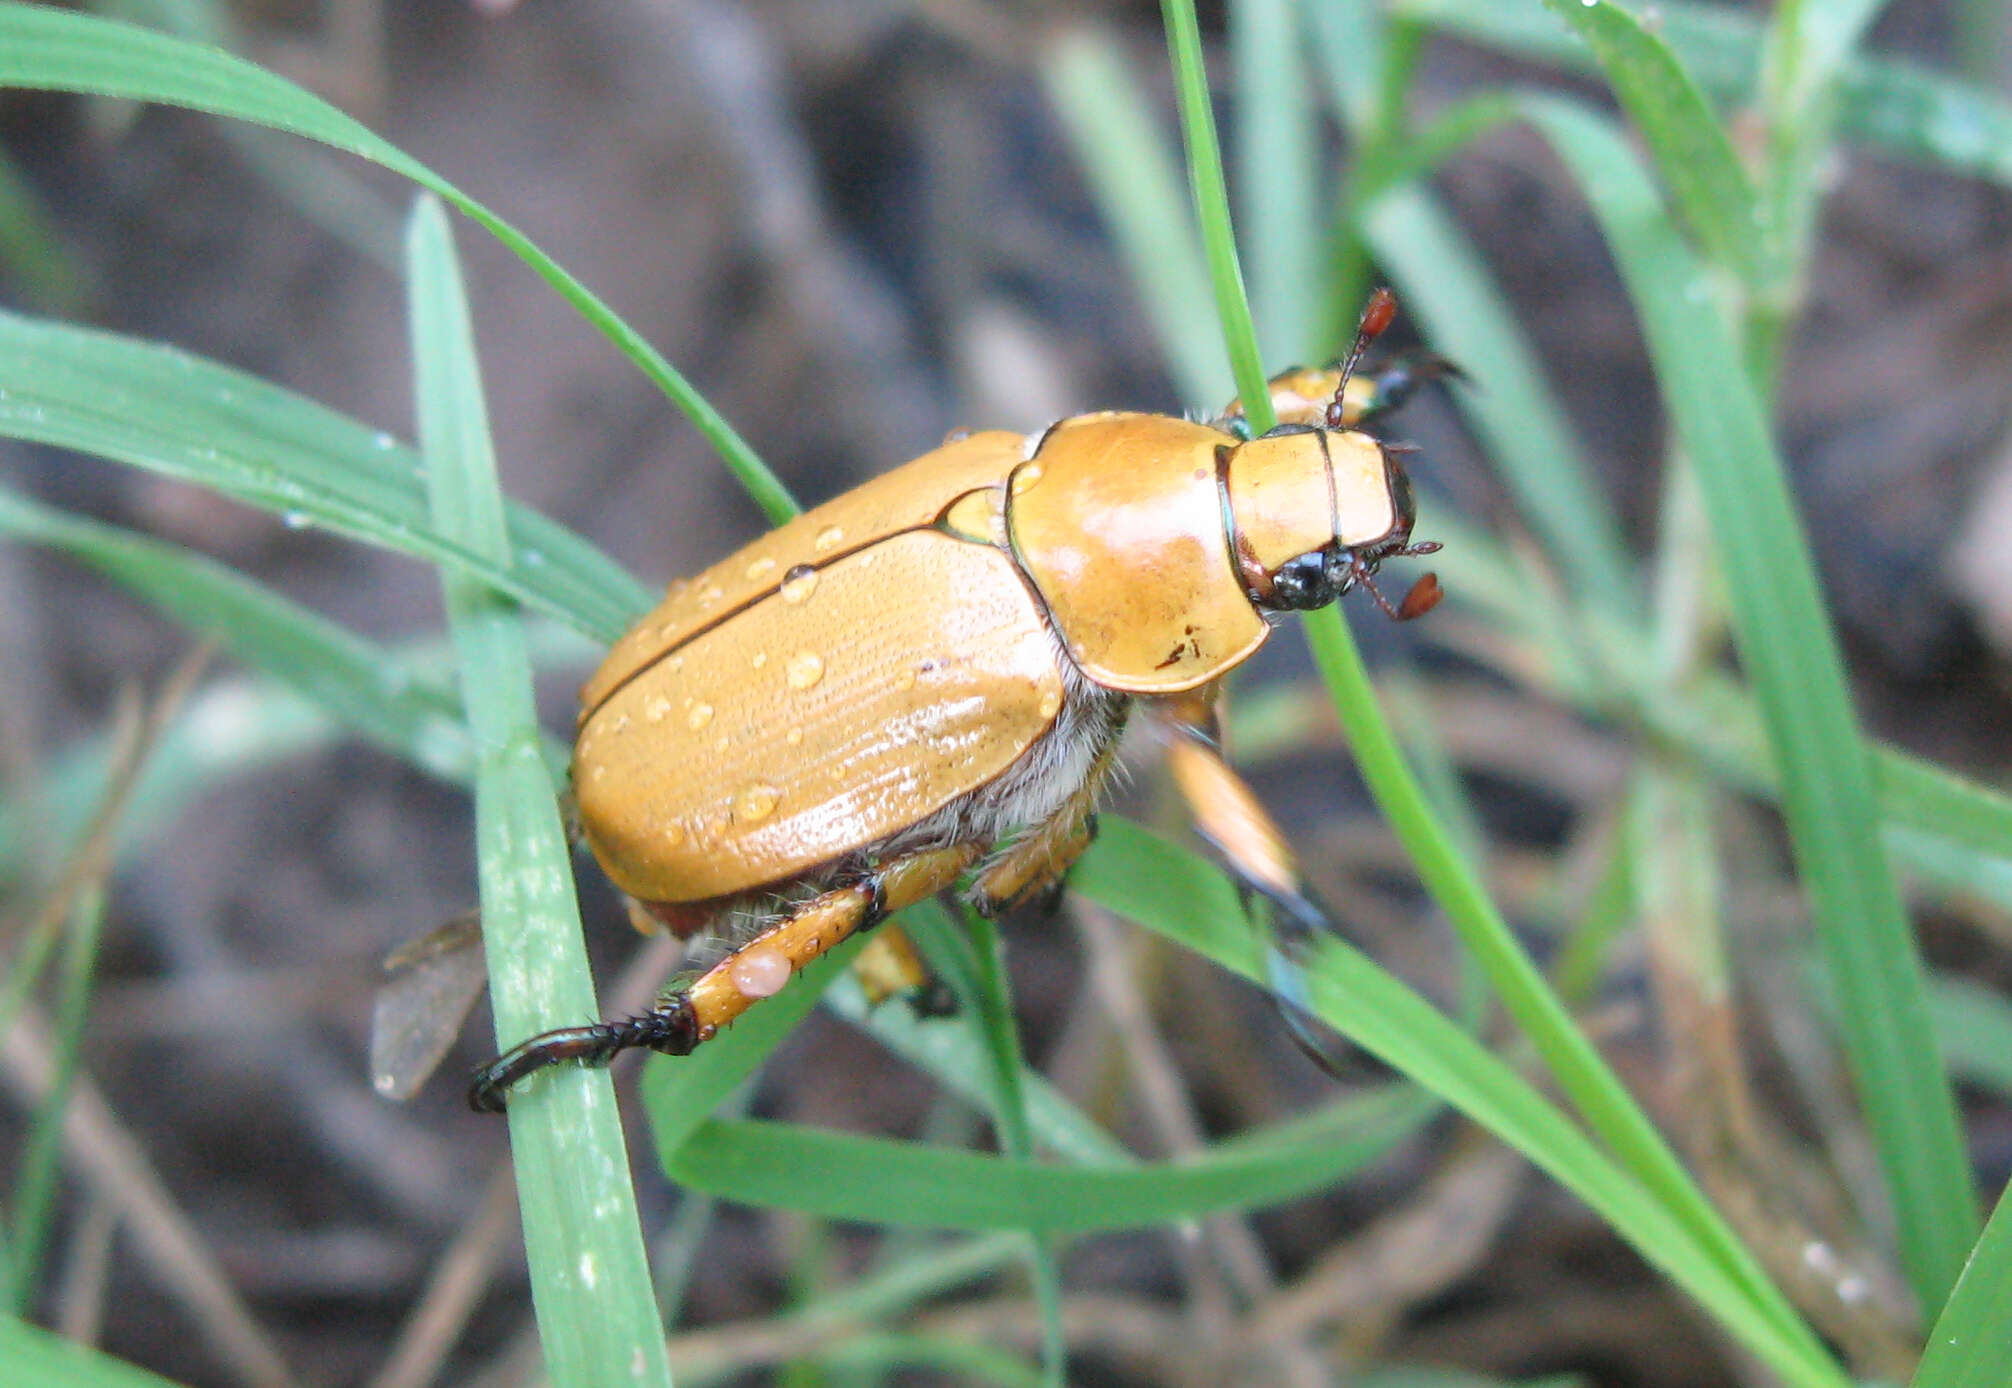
(922, 681)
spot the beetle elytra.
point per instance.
(923, 681)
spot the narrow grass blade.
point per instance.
(1597, 1094)
(1707, 182)
(36, 1358)
(1928, 798)
(967, 952)
(40, 1159)
(1896, 107)
(882, 1181)
(1135, 181)
(589, 1279)
(1971, 1343)
(1974, 1025)
(1212, 210)
(1281, 196)
(179, 416)
(352, 679)
(1193, 904)
(1791, 656)
(42, 269)
(54, 50)
(1450, 292)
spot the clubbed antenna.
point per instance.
(1376, 316)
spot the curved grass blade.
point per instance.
(1894, 106)
(589, 1279)
(1707, 182)
(35, 1358)
(1136, 184)
(1791, 656)
(1969, 1346)
(180, 416)
(352, 679)
(883, 1181)
(1193, 904)
(54, 50)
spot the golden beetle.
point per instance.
(924, 680)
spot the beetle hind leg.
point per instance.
(686, 1017)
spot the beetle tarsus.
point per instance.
(669, 1029)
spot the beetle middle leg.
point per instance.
(686, 1017)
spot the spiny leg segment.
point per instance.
(684, 1018)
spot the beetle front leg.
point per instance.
(685, 1018)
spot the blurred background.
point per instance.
(856, 226)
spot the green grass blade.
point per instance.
(179, 416)
(352, 679)
(987, 987)
(589, 1279)
(35, 1358)
(1193, 904)
(1897, 107)
(1692, 152)
(1598, 1095)
(1974, 1025)
(1280, 197)
(958, 1060)
(881, 1181)
(1212, 210)
(1971, 1344)
(40, 1160)
(1791, 656)
(878, 1356)
(1928, 798)
(53, 50)
(1135, 182)
(39, 267)
(1449, 292)
(1454, 298)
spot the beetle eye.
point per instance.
(1297, 583)
(1311, 580)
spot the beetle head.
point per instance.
(1311, 510)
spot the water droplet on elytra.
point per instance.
(799, 583)
(756, 802)
(699, 716)
(828, 539)
(806, 668)
(656, 708)
(760, 568)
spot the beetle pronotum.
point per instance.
(922, 682)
